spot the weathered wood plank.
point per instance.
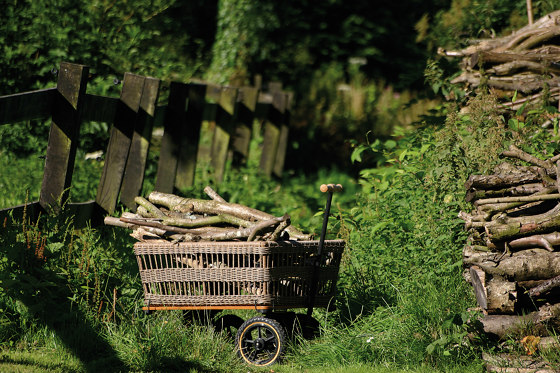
(99, 108)
(283, 138)
(225, 117)
(63, 136)
(30, 211)
(85, 214)
(138, 154)
(271, 137)
(119, 142)
(190, 136)
(169, 152)
(246, 104)
(26, 106)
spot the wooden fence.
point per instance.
(133, 116)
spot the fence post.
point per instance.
(138, 154)
(283, 138)
(119, 142)
(271, 137)
(190, 135)
(246, 105)
(170, 142)
(225, 117)
(63, 135)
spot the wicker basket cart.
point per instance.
(269, 276)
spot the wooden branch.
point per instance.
(540, 322)
(511, 67)
(544, 287)
(116, 222)
(160, 226)
(515, 152)
(275, 236)
(545, 241)
(524, 199)
(538, 38)
(520, 266)
(150, 207)
(525, 226)
(517, 190)
(501, 180)
(212, 194)
(506, 42)
(209, 220)
(263, 226)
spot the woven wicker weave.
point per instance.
(237, 274)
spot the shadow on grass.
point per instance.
(47, 296)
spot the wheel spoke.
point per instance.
(253, 355)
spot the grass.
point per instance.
(82, 269)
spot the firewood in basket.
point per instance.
(212, 207)
(212, 194)
(150, 207)
(190, 262)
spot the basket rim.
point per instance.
(240, 244)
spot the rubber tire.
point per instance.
(260, 341)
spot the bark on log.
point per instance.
(506, 42)
(188, 235)
(518, 190)
(501, 296)
(515, 152)
(212, 194)
(526, 265)
(523, 199)
(546, 241)
(523, 82)
(501, 180)
(478, 280)
(540, 323)
(519, 227)
(150, 207)
(544, 287)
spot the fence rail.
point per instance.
(132, 117)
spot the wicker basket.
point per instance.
(221, 275)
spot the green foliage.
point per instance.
(239, 39)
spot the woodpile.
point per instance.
(527, 62)
(512, 256)
(172, 218)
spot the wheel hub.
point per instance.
(259, 344)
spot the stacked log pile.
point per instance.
(172, 218)
(512, 256)
(526, 62)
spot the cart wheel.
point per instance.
(260, 341)
(228, 324)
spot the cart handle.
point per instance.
(331, 188)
